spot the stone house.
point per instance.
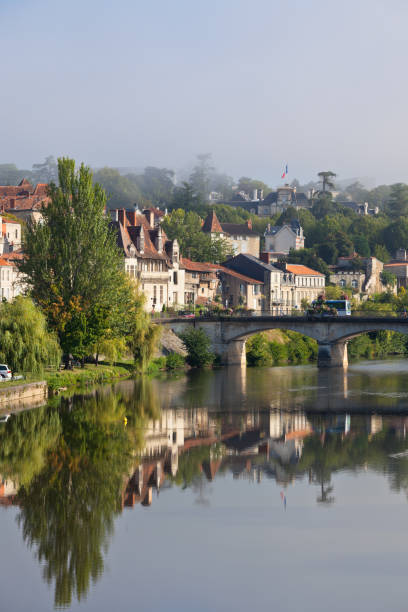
(281, 199)
(11, 281)
(241, 237)
(150, 258)
(240, 290)
(24, 200)
(269, 275)
(366, 279)
(201, 283)
(281, 239)
(299, 283)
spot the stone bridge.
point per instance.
(229, 334)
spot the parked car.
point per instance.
(4, 418)
(5, 372)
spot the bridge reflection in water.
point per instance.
(228, 334)
(71, 468)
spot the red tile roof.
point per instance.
(302, 270)
(211, 224)
(196, 266)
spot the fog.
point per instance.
(316, 84)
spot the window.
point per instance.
(194, 275)
(161, 293)
(154, 294)
(16, 233)
(175, 279)
(354, 284)
(342, 283)
(202, 290)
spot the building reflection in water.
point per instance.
(72, 469)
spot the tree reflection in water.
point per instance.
(79, 463)
(67, 509)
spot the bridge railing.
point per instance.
(371, 314)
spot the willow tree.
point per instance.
(72, 266)
(143, 334)
(26, 345)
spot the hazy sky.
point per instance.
(319, 84)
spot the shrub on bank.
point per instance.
(198, 346)
(175, 361)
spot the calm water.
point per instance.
(280, 488)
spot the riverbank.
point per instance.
(89, 375)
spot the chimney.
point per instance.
(132, 214)
(151, 219)
(265, 257)
(141, 240)
(249, 224)
(122, 216)
(159, 240)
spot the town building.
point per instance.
(281, 239)
(23, 200)
(299, 285)
(280, 200)
(150, 258)
(241, 237)
(270, 277)
(362, 274)
(240, 290)
(201, 283)
(11, 280)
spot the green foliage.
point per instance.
(73, 267)
(397, 205)
(175, 361)
(121, 191)
(142, 335)
(388, 279)
(307, 257)
(25, 343)
(67, 509)
(297, 349)
(195, 244)
(258, 352)
(198, 346)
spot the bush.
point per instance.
(198, 348)
(174, 361)
(257, 351)
(279, 353)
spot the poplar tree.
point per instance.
(72, 265)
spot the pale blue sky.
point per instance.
(320, 84)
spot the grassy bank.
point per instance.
(89, 375)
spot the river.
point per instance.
(226, 490)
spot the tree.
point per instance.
(73, 267)
(45, 172)
(11, 175)
(25, 343)
(388, 279)
(395, 235)
(143, 336)
(198, 348)
(326, 178)
(194, 244)
(121, 191)
(248, 185)
(361, 246)
(155, 184)
(201, 176)
(397, 204)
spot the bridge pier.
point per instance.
(235, 354)
(332, 354)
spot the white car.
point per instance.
(4, 418)
(5, 372)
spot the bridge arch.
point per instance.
(228, 335)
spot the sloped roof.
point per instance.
(211, 224)
(196, 266)
(238, 228)
(302, 270)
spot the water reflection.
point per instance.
(73, 467)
